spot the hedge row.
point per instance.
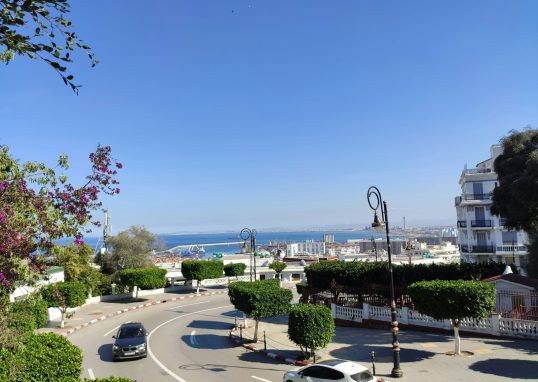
(260, 299)
(33, 306)
(234, 269)
(362, 274)
(201, 269)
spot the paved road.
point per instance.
(189, 342)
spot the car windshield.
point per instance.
(363, 376)
(130, 332)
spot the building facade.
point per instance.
(482, 236)
(307, 248)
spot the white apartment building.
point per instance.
(309, 247)
(482, 236)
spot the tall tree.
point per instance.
(39, 30)
(516, 197)
(38, 205)
(130, 249)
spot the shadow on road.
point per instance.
(202, 324)
(221, 368)
(362, 353)
(207, 341)
(105, 352)
(509, 368)
(528, 346)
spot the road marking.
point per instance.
(196, 303)
(90, 373)
(154, 358)
(193, 338)
(110, 331)
(260, 379)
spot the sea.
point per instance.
(168, 241)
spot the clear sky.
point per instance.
(232, 114)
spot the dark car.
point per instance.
(131, 342)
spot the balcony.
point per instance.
(464, 248)
(483, 249)
(508, 248)
(481, 223)
(477, 196)
(462, 224)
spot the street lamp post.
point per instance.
(374, 195)
(246, 234)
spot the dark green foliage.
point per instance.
(22, 321)
(443, 299)
(46, 357)
(278, 266)
(143, 278)
(201, 269)
(65, 294)
(110, 379)
(301, 286)
(234, 269)
(38, 29)
(98, 283)
(35, 306)
(310, 326)
(516, 197)
(363, 274)
(260, 299)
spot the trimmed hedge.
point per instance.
(201, 269)
(310, 326)
(301, 286)
(278, 266)
(234, 269)
(45, 357)
(260, 299)
(362, 274)
(143, 278)
(65, 294)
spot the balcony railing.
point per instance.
(462, 224)
(512, 248)
(481, 223)
(477, 196)
(483, 249)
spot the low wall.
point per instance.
(493, 325)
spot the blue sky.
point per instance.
(231, 114)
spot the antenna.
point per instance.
(107, 232)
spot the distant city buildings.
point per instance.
(482, 236)
(309, 247)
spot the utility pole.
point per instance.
(107, 231)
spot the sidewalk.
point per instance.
(423, 355)
(92, 313)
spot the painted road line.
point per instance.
(110, 331)
(260, 379)
(90, 373)
(194, 303)
(156, 360)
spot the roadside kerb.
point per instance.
(235, 338)
(136, 307)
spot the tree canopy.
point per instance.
(311, 327)
(39, 30)
(516, 197)
(130, 249)
(38, 205)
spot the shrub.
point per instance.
(143, 278)
(200, 270)
(46, 357)
(36, 306)
(278, 267)
(310, 326)
(301, 286)
(234, 269)
(65, 295)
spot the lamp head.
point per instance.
(378, 224)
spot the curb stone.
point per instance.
(237, 341)
(136, 307)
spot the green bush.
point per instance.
(311, 327)
(363, 274)
(260, 299)
(201, 269)
(234, 269)
(143, 278)
(36, 306)
(65, 294)
(46, 357)
(22, 320)
(96, 281)
(301, 286)
(110, 379)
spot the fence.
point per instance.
(493, 325)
